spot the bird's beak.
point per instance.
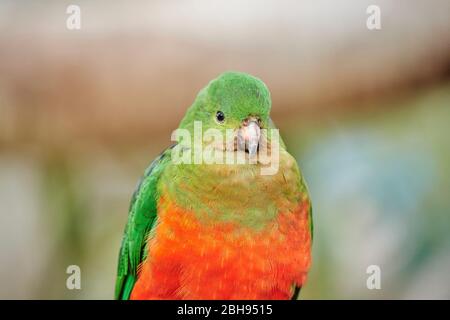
(248, 136)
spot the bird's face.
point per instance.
(246, 132)
(232, 116)
(238, 104)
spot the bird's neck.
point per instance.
(233, 193)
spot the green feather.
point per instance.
(141, 219)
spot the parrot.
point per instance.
(218, 231)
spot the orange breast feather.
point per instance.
(188, 259)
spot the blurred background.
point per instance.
(365, 112)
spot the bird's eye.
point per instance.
(220, 117)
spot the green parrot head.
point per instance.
(233, 101)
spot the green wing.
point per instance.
(141, 219)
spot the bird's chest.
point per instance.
(193, 260)
(234, 194)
